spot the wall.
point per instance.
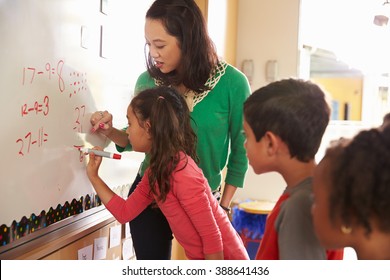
(270, 30)
(344, 90)
(267, 30)
(222, 25)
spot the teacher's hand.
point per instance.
(102, 121)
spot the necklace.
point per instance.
(193, 98)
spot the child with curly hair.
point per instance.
(352, 194)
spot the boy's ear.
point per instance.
(272, 142)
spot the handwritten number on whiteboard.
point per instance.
(21, 148)
(37, 107)
(50, 70)
(46, 103)
(32, 75)
(80, 112)
(61, 83)
(28, 135)
(24, 110)
(38, 140)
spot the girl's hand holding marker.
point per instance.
(100, 153)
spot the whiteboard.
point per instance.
(59, 62)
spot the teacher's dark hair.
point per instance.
(184, 20)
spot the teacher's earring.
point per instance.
(346, 229)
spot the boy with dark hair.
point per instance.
(284, 123)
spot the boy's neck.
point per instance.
(296, 171)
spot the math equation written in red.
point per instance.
(74, 83)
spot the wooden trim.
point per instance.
(231, 32)
(45, 241)
(203, 6)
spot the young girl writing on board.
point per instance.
(159, 124)
(180, 53)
